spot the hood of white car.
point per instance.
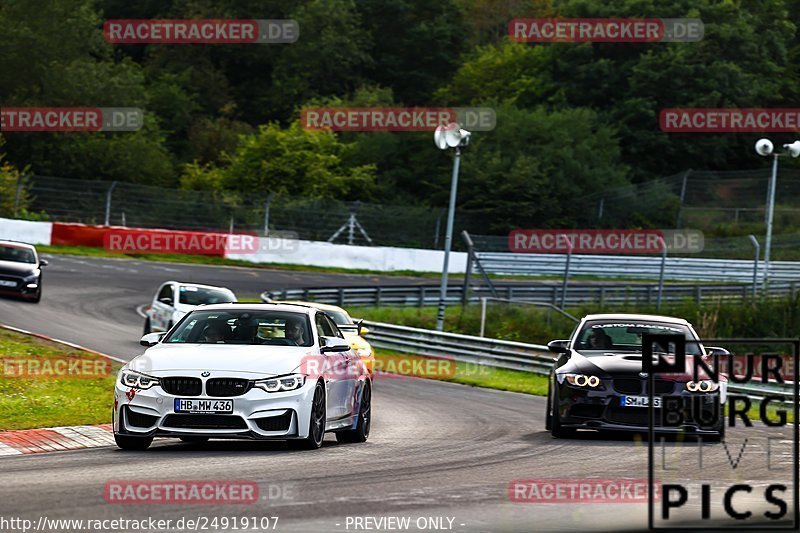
(165, 359)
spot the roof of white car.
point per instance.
(293, 308)
(632, 316)
(17, 243)
(198, 285)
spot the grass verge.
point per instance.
(38, 390)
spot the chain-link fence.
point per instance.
(133, 205)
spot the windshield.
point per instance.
(626, 336)
(340, 317)
(191, 295)
(272, 328)
(17, 254)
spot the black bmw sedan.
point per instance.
(597, 381)
(20, 270)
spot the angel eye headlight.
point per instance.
(705, 385)
(137, 380)
(281, 384)
(582, 380)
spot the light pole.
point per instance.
(764, 148)
(450, 136)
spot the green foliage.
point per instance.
(284, 161)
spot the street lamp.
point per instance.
(450, 136)
(764, 148)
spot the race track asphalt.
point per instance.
(437, 450)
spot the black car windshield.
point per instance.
(18, 254)
(268, 327)
(626, 335)
(192, 295)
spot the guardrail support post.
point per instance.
(341, 297)
(421, 296)
(378, 297)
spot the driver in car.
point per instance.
(213, 334)
(295, 331)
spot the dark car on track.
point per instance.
(597, 381)
(20, 270)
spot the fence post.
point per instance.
(698, 293)
(17, 194)
(341, 297)
(422, 296)
(683, 197)
(566, 275)
(378, 297)
(266, 213)
(483, 314)
(661, 274)
(468, 273)
(108, 203)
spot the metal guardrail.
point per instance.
(495, 353)
(634, 267)
(576, 294)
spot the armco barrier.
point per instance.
(577, 293)
(634, 267)
(509, 355)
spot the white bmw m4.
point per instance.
(252, 371)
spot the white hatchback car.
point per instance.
(174, 299)
(255, 371)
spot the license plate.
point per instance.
(638, 401)
(4, 283)
(203, 406)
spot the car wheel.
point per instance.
(361, 432)
(556, 429)
(316, 423)
(194, 440)
(36, 299)
(147, 327)
(128, 442)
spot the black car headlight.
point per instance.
(705, 385)
(584, 381)
(137, 380)
(281, 383)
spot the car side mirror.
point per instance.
(43, 262)
(362, 330)
(151, 339)
(717, 351)
(165, 301)
(332, 344)
(559, 346)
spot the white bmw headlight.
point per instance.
(137, 380)
(281, 383)
(705, 385)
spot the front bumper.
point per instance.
(257, 414)
(25, 289)
(579, 408)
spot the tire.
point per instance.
(556, 430)
(128, 442)
(195, 440)
(316, 423)
(147, 328)
(361, 432)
